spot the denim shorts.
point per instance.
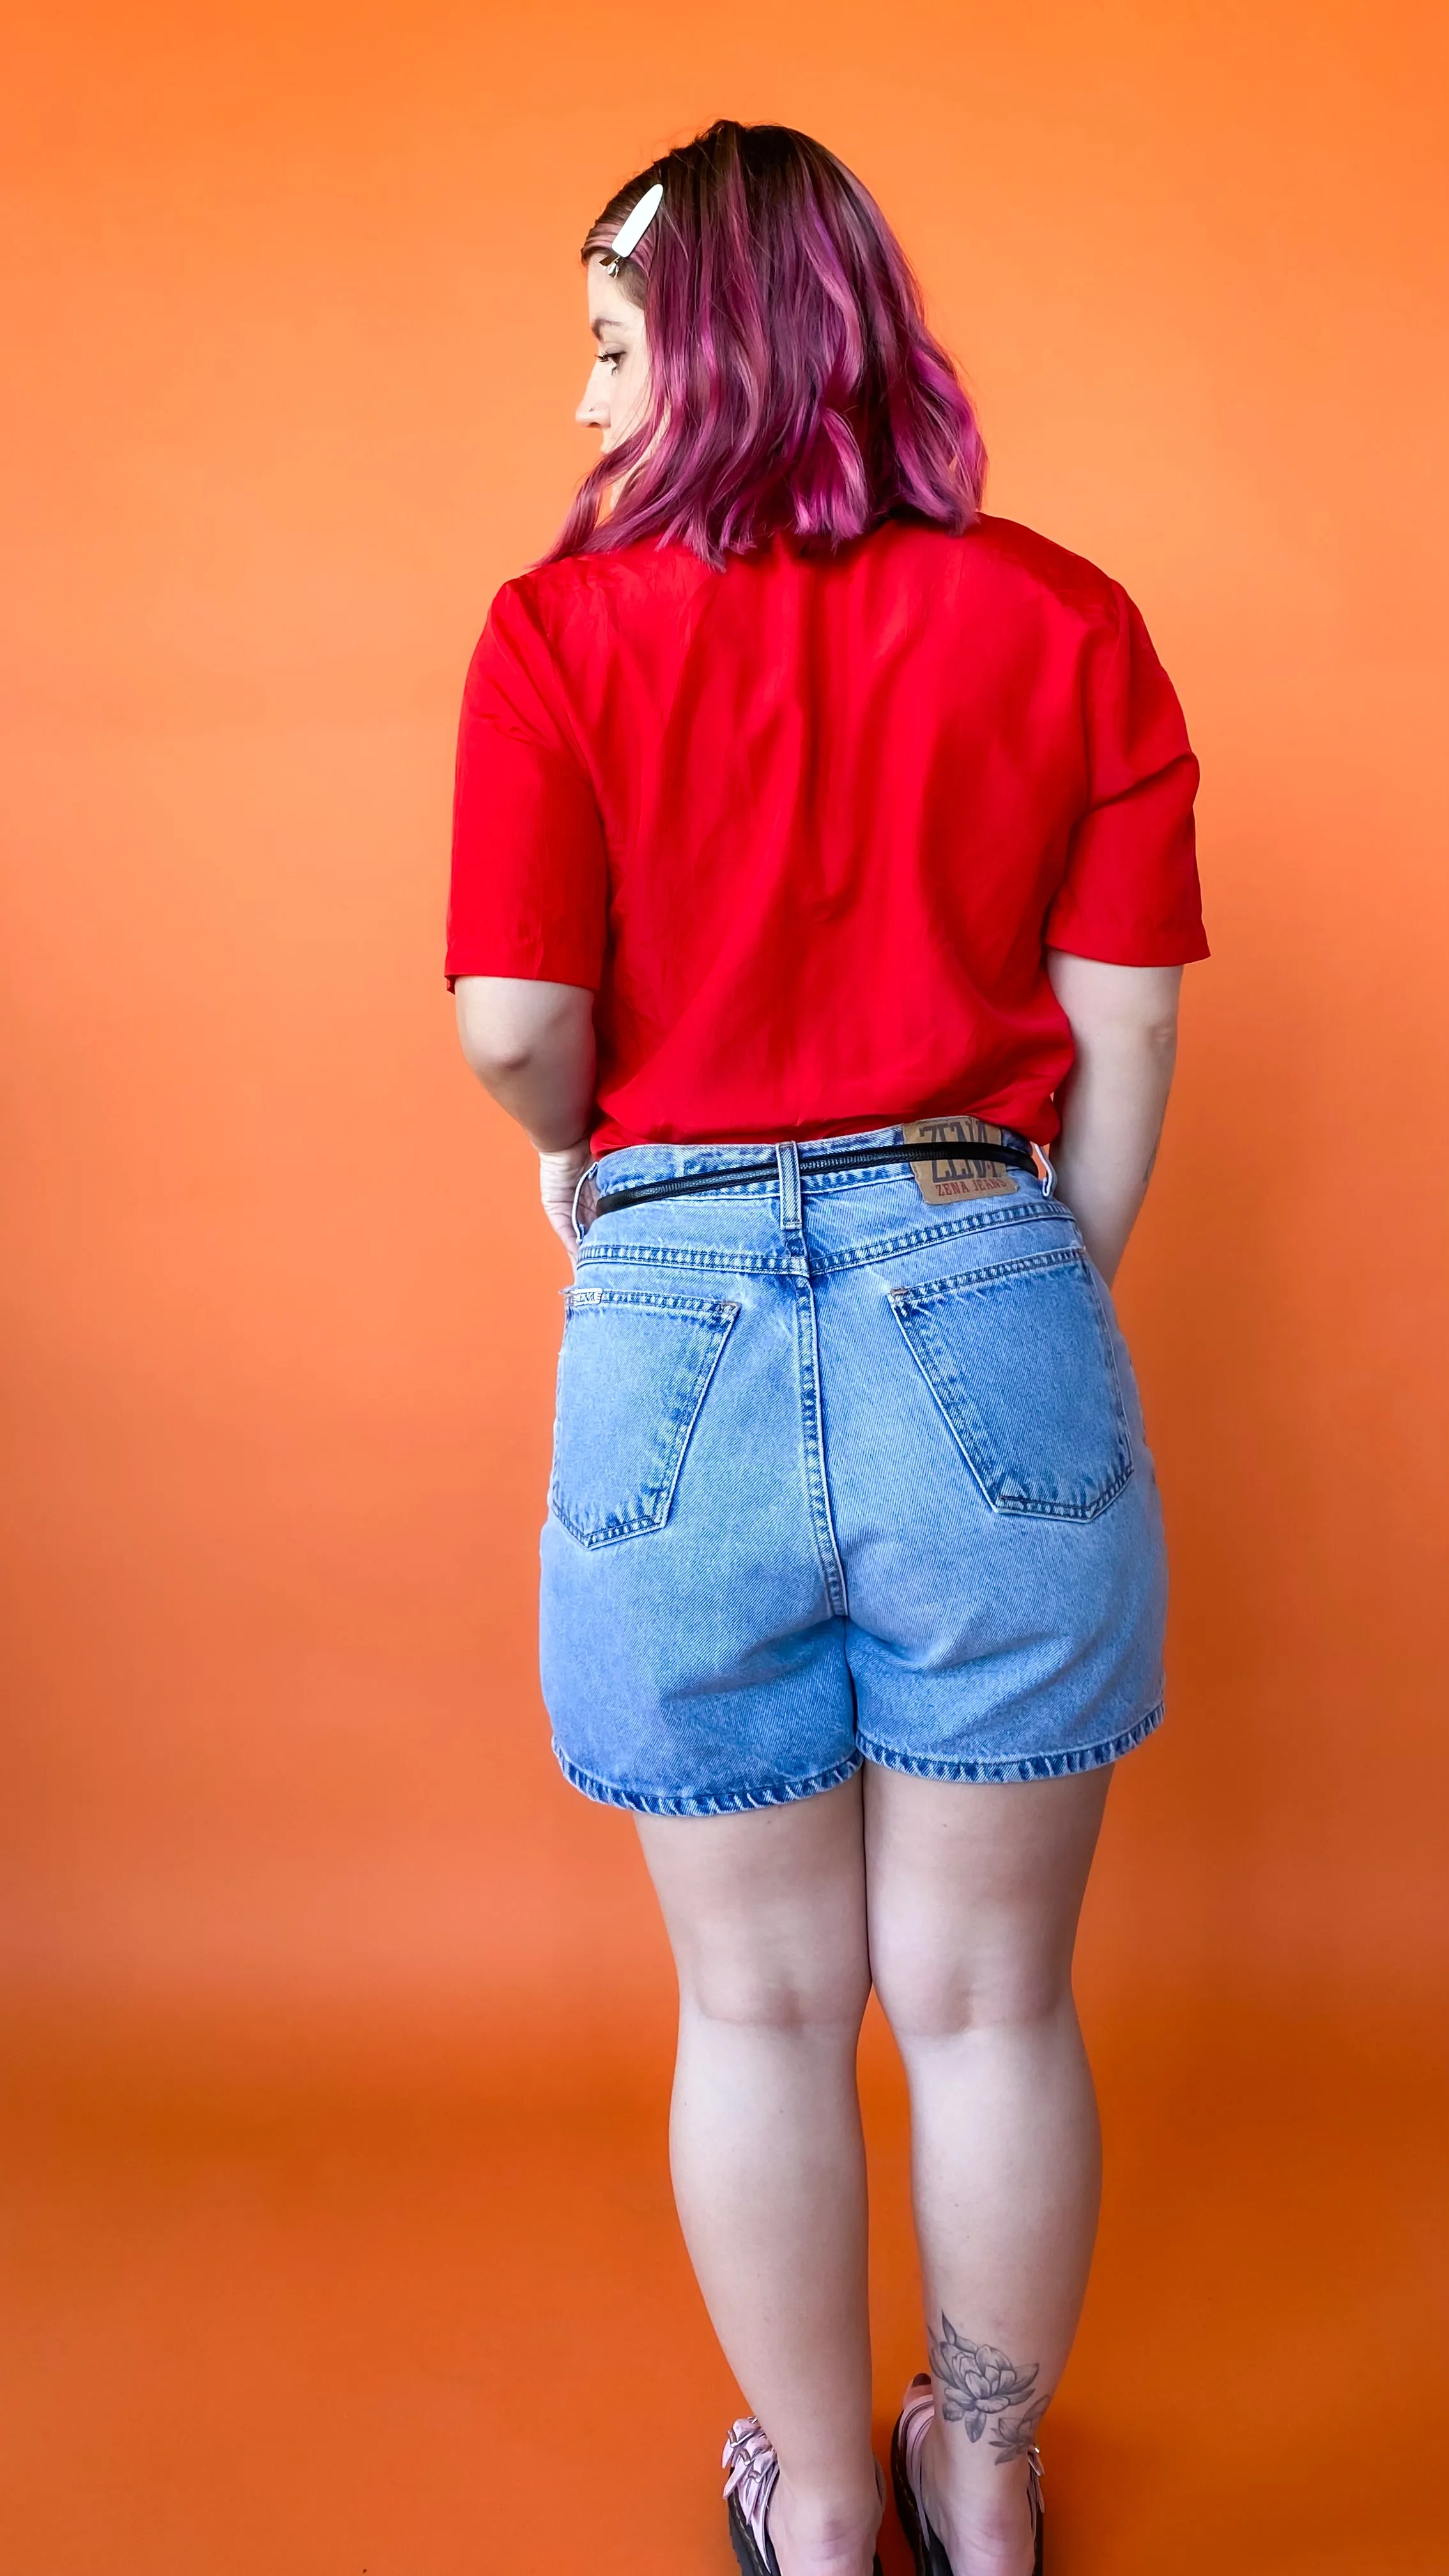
(840, 1475)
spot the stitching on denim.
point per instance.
(791, 1218)
(721, 1802)
(928, 1292)
(694, 1159)
(812, 1428)
(1027, 1508)
(911, 1304)
(1024, 1766)
(1046, 1212)
(718, 1326)
(715, 1308)
(674, 1257)
(779, 1265)
(1101, 1302)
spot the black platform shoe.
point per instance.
(753, 2469)
(927, 2549)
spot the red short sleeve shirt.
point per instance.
(808, 826)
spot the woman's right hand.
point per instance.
(558, 1178)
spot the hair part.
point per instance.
(794, 389)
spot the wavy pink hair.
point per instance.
(794, 387)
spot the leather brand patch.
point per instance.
(951, 1174)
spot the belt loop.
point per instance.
(787, 1159)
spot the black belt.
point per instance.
(687, 1184)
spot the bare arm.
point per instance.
(532, 1046)
(1124, 1024)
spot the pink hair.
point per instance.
(794, 387)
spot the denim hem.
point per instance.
(728, 1802)
(1025, 1766)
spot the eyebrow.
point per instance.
(601, 325)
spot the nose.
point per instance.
(593, 411)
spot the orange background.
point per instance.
(339, 2235)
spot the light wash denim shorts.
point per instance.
(842, 1476)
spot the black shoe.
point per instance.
(753, 2469)
(927, 2550)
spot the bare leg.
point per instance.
(766, 1915)
(973, 1896)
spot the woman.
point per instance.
(823, 859)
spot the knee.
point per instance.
(748, 1989)
(929, 1994)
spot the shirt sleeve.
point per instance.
(528, 894)
(1130, 892)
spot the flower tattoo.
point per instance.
(1013, 2441)
(981, 2386)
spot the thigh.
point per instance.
(973, 1893)
(765, 1910)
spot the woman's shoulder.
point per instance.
(1009, 561)
(570, 591)
(567, 601)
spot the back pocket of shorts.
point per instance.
(632, 1376)
(1020, 1362)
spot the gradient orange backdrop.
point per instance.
(302, 1932)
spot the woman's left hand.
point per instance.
(558, 1178)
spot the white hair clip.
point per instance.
(634, 227)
